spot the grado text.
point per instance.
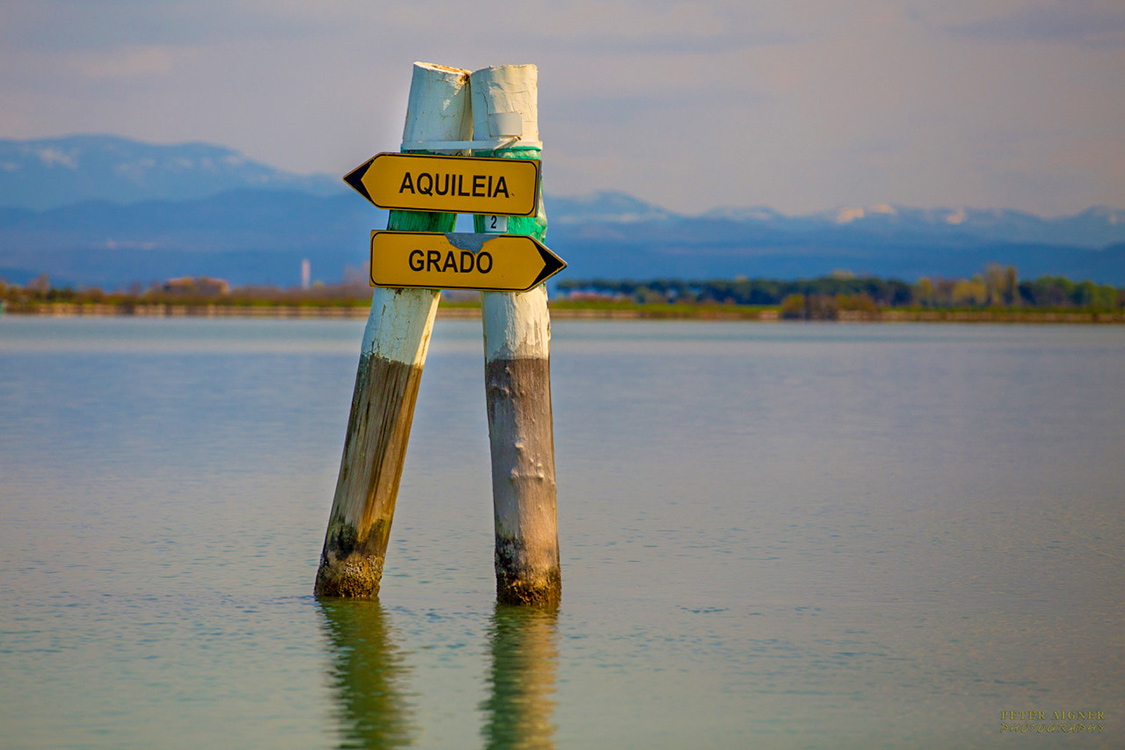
(450, 262)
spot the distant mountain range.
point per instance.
(55, 172)
(107, 211)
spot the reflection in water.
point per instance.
(520, 711)
(367, 674)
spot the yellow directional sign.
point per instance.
(449, 184)
(460, 260)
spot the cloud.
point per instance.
(127, 63)
(1068, 23)
(694, 103)
(620, 28)
(711, 105)
(76, 25)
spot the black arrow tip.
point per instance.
(355, 179)
(552, 264)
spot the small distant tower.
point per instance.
(306, 274)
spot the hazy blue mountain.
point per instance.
(245, 236)
(1095, 227)
(707, 247)
(98, 210)
(53, 172)
(606, 206)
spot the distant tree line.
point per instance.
(997, 287)
(190, 291)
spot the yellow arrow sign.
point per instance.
(460, 260)
(449, 184)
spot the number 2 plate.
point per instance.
(494, 224)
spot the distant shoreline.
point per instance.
(561, 310)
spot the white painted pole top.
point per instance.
(507, 117)
(499, 94)
(438, 106)
(511, 124)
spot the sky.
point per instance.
(799, 105)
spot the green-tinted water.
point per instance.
(772, 536)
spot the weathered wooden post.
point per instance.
(517, 334)
(390, 368)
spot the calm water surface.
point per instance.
(773, 536)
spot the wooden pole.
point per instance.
(517, 334)
(390, 369)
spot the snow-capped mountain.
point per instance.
(52, 172)
(102, 210)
